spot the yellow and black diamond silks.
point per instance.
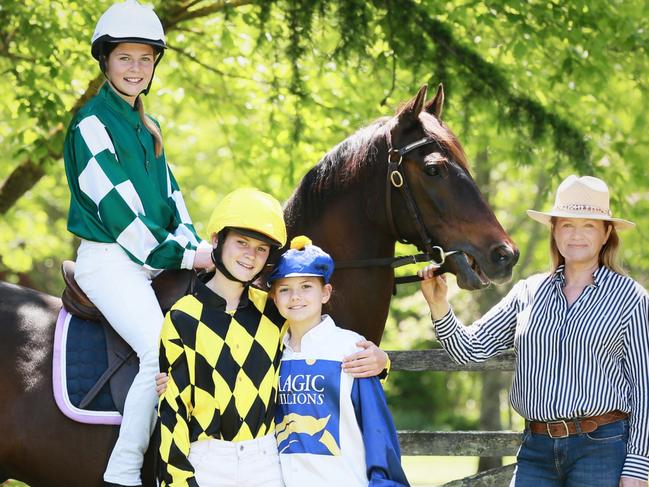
(223, 374)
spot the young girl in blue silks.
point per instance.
(331, 429)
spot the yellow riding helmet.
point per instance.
(250, 209)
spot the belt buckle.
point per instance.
(565, 425)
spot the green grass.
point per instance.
(433, 471)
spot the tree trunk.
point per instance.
(490, 413)
(491, 380)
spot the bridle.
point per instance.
(396, 178)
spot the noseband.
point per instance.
(396, 178)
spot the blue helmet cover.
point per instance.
(303, 259)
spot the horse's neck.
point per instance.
(345, 230)
(361, 296)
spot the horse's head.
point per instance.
(452, 211)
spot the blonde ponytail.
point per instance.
(151, 127)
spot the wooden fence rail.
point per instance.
(437, 359)
(459, 443)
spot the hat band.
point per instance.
(577, 207)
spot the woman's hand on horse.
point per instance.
(203, 257)
(161, 380)
(368, 362)
(434, 290)
(632, 482)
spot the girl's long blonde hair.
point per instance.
(151, 126)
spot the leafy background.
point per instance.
(255, 92)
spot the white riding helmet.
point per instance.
(128, 22)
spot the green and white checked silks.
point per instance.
(120, 191)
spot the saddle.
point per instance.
(169, 287)
(120, 363)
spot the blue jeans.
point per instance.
(583, 460)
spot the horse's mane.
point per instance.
(344, 165)
(339, 169)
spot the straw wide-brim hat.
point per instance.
(581, 197)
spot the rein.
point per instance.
(396, 178)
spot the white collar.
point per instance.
(314, 336)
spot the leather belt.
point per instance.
(566, 427)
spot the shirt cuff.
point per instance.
(385, 372)
(636, 466)
(190, 255)
(446, 325)
(204, 245)
(188, 259)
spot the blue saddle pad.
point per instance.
(86, 361)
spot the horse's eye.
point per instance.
(433, 163)
(432, 168)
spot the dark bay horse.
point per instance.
(350, 205)
(342, 204)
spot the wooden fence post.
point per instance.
(459, 443)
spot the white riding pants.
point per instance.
(121, 290)
(251, 463)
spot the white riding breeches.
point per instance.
(121, 290)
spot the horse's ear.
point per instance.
(436, 105)
(411, 110)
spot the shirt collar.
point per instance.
(599, 275)
(558, 274)
(314, 336)
(119, 105)
(206, 296)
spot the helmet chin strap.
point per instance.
(218, 262)
(124, 93)
(155, 65)
(104, 69)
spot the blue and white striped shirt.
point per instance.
(581, 360)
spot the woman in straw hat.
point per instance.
(581, 337)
